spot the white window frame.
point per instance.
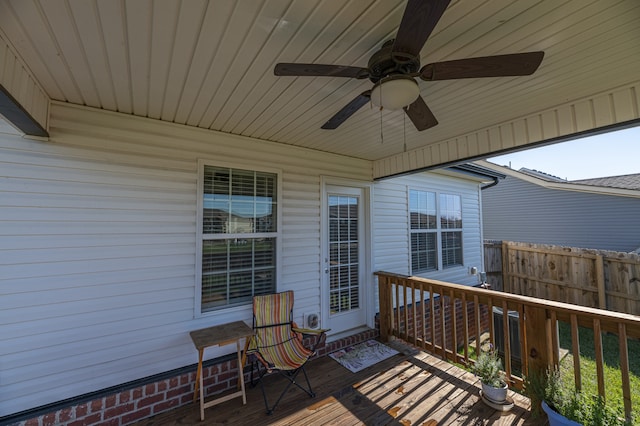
(245, 308)
(438, 230)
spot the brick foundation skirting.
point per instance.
(144, 398)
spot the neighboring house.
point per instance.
(532, 206)
(116, 245)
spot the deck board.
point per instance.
(411, 388)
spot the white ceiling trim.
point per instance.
(18, 80)
(605, 109)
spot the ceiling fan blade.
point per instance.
(348, 110)
(487, 66)
(420, 114)
(320, 70)
(419, 19)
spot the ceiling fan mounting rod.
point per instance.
(385, 62)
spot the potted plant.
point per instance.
(564, 406)
(488, 367)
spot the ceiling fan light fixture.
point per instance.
(395, 92)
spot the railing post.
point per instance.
(538, 343)
(384, 300)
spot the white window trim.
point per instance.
(438, 230)
(197, 309)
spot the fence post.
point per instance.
(602, 295)
(506, 280)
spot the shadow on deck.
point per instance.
(411, 388)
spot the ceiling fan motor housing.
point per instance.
(384, 63)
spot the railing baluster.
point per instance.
(524, 350)
(415, 313)
(406, 312)
(575, 343)
(597, 340)
(423, 317)
(507, 339)
(432, 315)
(397, 311)
(624, 369)
(476, 309)
(465, 327)
(443, 333)
(454, 325)
(492, 331)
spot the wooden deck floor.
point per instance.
(411, 388)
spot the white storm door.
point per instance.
(344, 258)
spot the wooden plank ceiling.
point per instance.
(209, 63)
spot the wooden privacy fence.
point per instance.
(444, 319)
(595, 278)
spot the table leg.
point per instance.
(201, 383)
(241, 372)
(198, 371)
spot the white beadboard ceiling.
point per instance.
(209, 63)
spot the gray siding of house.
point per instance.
(516, 210)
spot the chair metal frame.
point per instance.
(261, 361)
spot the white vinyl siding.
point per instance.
(98, 247)
(391, 224)
(517, 210)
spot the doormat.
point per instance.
(363, 355)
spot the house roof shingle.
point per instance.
(631, 181)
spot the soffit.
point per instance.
(210, 63)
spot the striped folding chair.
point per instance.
(277, 345)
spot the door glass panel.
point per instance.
(344, 266)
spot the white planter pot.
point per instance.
(495, 395)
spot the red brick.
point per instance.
(65, 415)
(163, 386)
(96, 405)
(174, 382)
(49, 419)
(150, 400)
(184, 390)
(136, 415)
(137, 393)
(118, 411)
(124, 397)
(81, 410)
(166, 405)
(90, 420)
(110, 422)
(110, 401)
(184, 379)
(150, 389)
(33, 422)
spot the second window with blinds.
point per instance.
(435, 230)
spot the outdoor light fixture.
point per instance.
(395, 92)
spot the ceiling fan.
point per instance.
(393, 68)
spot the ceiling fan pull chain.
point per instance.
(404, 130)
(381, 134)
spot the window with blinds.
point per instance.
(430, 222)
(451, 224)
(239, 236)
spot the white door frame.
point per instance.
(367, 239)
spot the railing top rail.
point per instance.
(632, 322)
